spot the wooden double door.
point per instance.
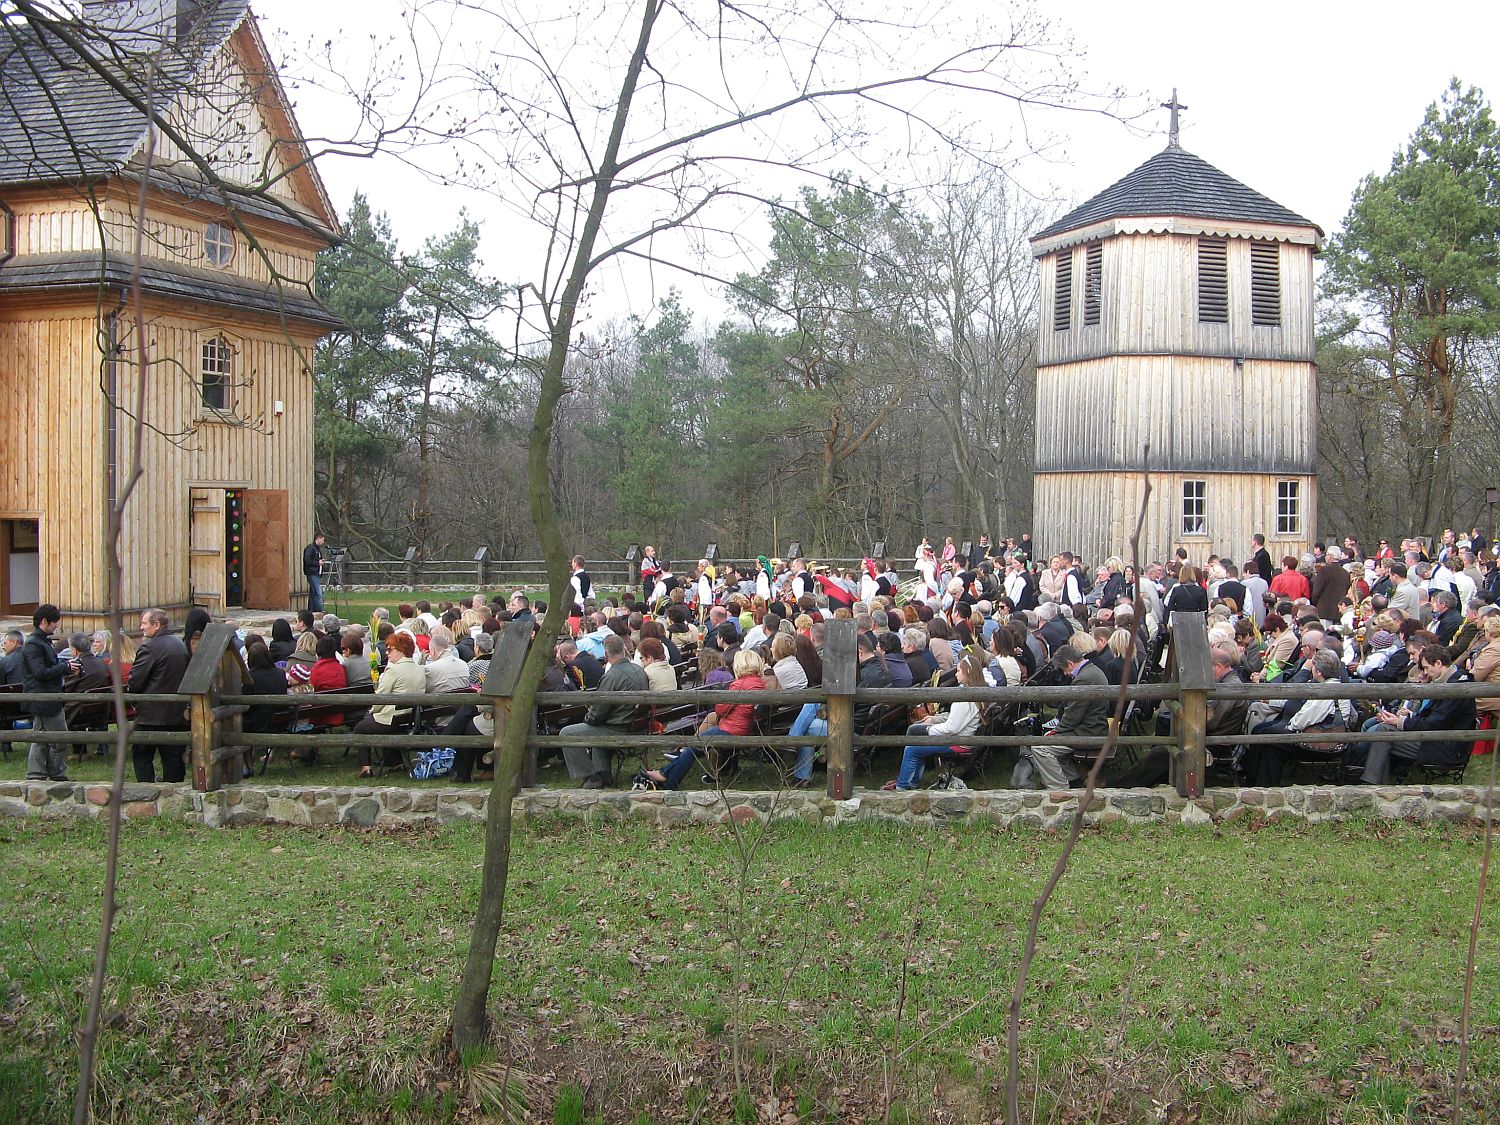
(238, 546)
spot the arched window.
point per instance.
(216, 373)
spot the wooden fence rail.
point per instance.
(214, 701)
(481, 571)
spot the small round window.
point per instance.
(218, 243)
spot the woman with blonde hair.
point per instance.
(725, 719)
(786, 670)
(962, 719)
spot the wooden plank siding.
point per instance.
(1149, 303)
(173, 234)
(50, 381)
(53, 470)
(1093, 514)
(201, 449)
(1196, 412)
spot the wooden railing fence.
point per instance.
(213, 699)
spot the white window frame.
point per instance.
(1193, 524)
(1288, 508)
(219, 245)
(217, 357)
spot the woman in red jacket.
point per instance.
(727, 718)
(329, 674)
(1290, 583)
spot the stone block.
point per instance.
(136, 809)
(36, 795)
(398, 800)
(1459, 812)
(1352, 799)
(14, 806)
(323, 813)
(97, 795)
(424, 801)
(450, 813)
(255, 800)
(11, 789)
(1132, 804)
(1194, 814)
(670, 817)
(286, 810)
(954, 805)
(918, 803)
(1252, 797)
(1222, 798)
(361, 813)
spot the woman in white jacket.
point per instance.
(962, 720)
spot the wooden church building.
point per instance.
(1176, 316)
(233, 218)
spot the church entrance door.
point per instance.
(267, 572)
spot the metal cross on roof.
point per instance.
(1176, 107)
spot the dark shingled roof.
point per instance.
(1175, 182)
(61, 120)
(62, 272)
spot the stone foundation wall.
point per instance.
(370, 806)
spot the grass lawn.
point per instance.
(1290, 974)
(361, 603)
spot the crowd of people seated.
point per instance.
(1404, 618)
(1382, 618)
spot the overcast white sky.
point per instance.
(1298, 100)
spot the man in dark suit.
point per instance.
(160, 662)
(1431, 714)
(1050, 765)
(1260, 558)
(1330, 582)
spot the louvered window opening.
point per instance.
(1213, 281)
(1265, 284)
(1062, 301)
(1093, 282)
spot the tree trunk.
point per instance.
(469, 1021)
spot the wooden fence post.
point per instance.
(413, 565)
(840, 675)
(481, 560)
(500, 684)
(1195, 676)
(214, 667)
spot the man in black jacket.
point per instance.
(1260, 558)
(1431, 714)
(873, 673)
(160, 662)
(41, 670)
(312, 568)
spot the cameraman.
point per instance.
(312, 567)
